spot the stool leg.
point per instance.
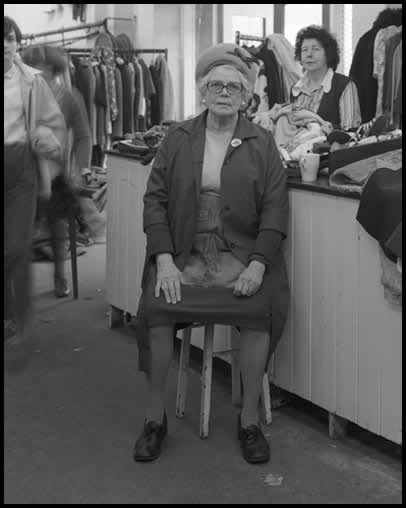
(266, 399)
(183, 373)
(73, 256)
(206, 381)
(235, 368)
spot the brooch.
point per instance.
(236, 142)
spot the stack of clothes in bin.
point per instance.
(143, 145)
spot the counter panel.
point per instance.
(342, 344)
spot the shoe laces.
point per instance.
(251, 432)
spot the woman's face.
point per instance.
(222, 101)
(313, 55)
(10, 49)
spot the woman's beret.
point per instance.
(228, 54)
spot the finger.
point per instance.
(172, 291)
(244, 288)
(157, 289)
(237, 288)
(167, 295)
(177, 289)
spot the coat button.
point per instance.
(232, 245)
(227, 208)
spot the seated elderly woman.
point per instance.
(215, 214)
(330, 96)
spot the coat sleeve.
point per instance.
(44, 111)
(274, 210)
(156, 222)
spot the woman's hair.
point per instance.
(41, 56)
(387, 17)
(328, 42)
(248, 89)
(9, 26)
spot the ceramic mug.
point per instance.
(309, 166)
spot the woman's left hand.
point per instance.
(250, 279)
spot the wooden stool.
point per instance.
(206, 379)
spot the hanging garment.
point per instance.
(86, 84)
(155, 99)
(103, 52)
(285, 55)
(397, 87)
(118, 122)
(127, 76)
(149, 91)
(275, 92)
(379, 61)
(109, 128)
(387, 92)
(101, 105)
(167, 98)
(137, 95)
(142, 102)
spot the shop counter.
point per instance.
(342, 344)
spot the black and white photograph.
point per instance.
(202, 254)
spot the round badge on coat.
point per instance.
(236, 142)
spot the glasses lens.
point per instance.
(234, 88)
(215, 86)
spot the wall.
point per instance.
(32, 18)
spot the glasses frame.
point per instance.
(225, 86)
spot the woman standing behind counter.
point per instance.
(215, 213)
(329, 95)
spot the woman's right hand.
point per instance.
(167, 278)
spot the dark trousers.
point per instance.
(20, 198)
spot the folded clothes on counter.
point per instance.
(355, 175)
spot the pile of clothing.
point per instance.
(144, 145)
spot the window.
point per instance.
(249, 25)
(298, 16)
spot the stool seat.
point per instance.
(206, 379)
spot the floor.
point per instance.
(73, 413)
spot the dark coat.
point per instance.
(254, 201)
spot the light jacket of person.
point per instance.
(42, 110)
(254, 201)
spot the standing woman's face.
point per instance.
(313, 55)
(10, 49)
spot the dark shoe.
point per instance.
(255, 447)
(149, 444)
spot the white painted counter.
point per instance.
(342, 346)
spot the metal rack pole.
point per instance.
(76, 27)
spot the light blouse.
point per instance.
(350, 113)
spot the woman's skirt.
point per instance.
(207, 288)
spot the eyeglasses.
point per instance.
(232, 88)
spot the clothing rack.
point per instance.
(86, 51)
(103, 23)
(239, 36)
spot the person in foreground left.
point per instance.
(34, 141)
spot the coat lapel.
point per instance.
(196, 129)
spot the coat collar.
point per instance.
(243, 130)
(300, 86)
